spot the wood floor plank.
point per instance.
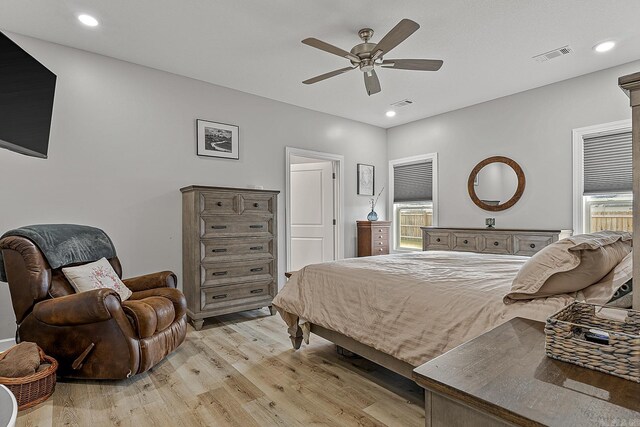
(239, 370)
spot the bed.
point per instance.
(403, 310)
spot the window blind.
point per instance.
(607, 163)
(413, 183)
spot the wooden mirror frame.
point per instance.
(513, 200)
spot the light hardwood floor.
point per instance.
(240, 370)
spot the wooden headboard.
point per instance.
(631, 85)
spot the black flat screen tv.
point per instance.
(27, 89)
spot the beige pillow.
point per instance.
(569, 265)
(96, 275)
(602, 292)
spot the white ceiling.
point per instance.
(254, 45)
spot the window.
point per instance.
(603, 178)
(413, 199)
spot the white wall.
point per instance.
(533, 128)
(123, 144)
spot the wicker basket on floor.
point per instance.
(565, 340)
(33, 389)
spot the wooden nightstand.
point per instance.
(503, 378)
(373, 237)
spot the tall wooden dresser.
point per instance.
(373, 237)
(229, 250)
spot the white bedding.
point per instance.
(414, 306)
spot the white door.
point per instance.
(312, 228)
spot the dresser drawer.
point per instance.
(211, 298)
(256, 204)
(435, 240)
(495, 244)
(212, 203)
(528, 245)
(465, 242)
(379, 237)
(216, 250)
(220, 274)
(380, 250)
(219, 226)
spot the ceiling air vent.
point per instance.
(544, 57)
(402, 103)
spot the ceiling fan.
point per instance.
(367, 56)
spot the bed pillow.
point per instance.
(615, 289)
(569, 265)
(96, 275)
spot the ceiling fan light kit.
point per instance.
(367, 56)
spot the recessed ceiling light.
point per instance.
(88, 20)
(604, 46)
(391, 113)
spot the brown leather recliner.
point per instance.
(93, 334)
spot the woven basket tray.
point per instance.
(33, 389)
(565, 340)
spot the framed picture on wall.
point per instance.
(217, 139)
(366, 179)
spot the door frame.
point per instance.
(338, 197)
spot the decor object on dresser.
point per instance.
(91, 334)
(606, 339)
(513, 383)
(229, 250)
(217, 139)
(496, 183)
(366, 180)
(631, 85)
(373, 216)
(487, 240)
(373, 238)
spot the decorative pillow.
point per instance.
(615, 288)
(569, 265)
(96, 275)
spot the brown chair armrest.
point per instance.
(173, 295)
(163, 279)
(78, 309)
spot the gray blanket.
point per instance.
(65, 244)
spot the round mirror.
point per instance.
(496, 183)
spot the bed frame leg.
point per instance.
(295, 333)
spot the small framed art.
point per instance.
(217, 139)
(366, 179)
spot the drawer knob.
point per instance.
(257, 291)
(465, 242)
(256, 205)
(495, 243)
(438, 240)
(220, 273)
(532, 246)
(256, 226)
(218, 227)
(380, 243)
(256, 248)
(221, 296)
(380, 230)
(219, 203)
(254, 270)
(218, 250)
(380, 250)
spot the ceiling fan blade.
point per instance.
(371, 82)
(319, 44)
(327, 75)
(397, 35)
(413, 64)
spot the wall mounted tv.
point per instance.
(27, 89)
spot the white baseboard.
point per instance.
(7, 343)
